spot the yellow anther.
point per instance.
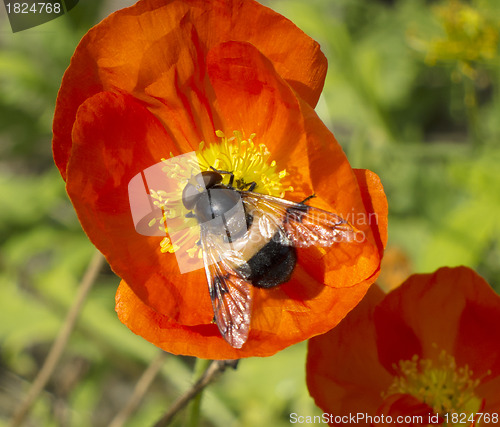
(247, 161)
(440, 383)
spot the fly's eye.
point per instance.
(190, 196)
(209, 178)
(199, 185)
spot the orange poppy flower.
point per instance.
(428, 352)
(194, 71)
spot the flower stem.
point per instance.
(140, 390)
(61, 340)
(215, 368)
(200, 366)
(470, 101)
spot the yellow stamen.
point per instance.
(166, 246)
(440, 383)
(246, 160)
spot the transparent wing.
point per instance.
(231, 295)
(296, 224)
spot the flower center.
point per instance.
(439, 383)
(246, 160)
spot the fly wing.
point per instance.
(231, 295)
(302, 225)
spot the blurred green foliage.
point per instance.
(407, 99)
(412, 93)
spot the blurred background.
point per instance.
(412, 93)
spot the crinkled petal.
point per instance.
(251, 96)
(351, 367)
(343, 372)
(156, 63)
(115, 138)
(453, 309)
(405, 405)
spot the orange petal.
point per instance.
(115, 138)
(169, 44)
(376, 207)
(251, 96)
(488, 390)
(408, 409)
(204, 340)
(478, 322)
(453, 309)
(343, 372)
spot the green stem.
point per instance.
(200, 367)
(51, 362)
(471, 109)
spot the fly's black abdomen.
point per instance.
(270, 266)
